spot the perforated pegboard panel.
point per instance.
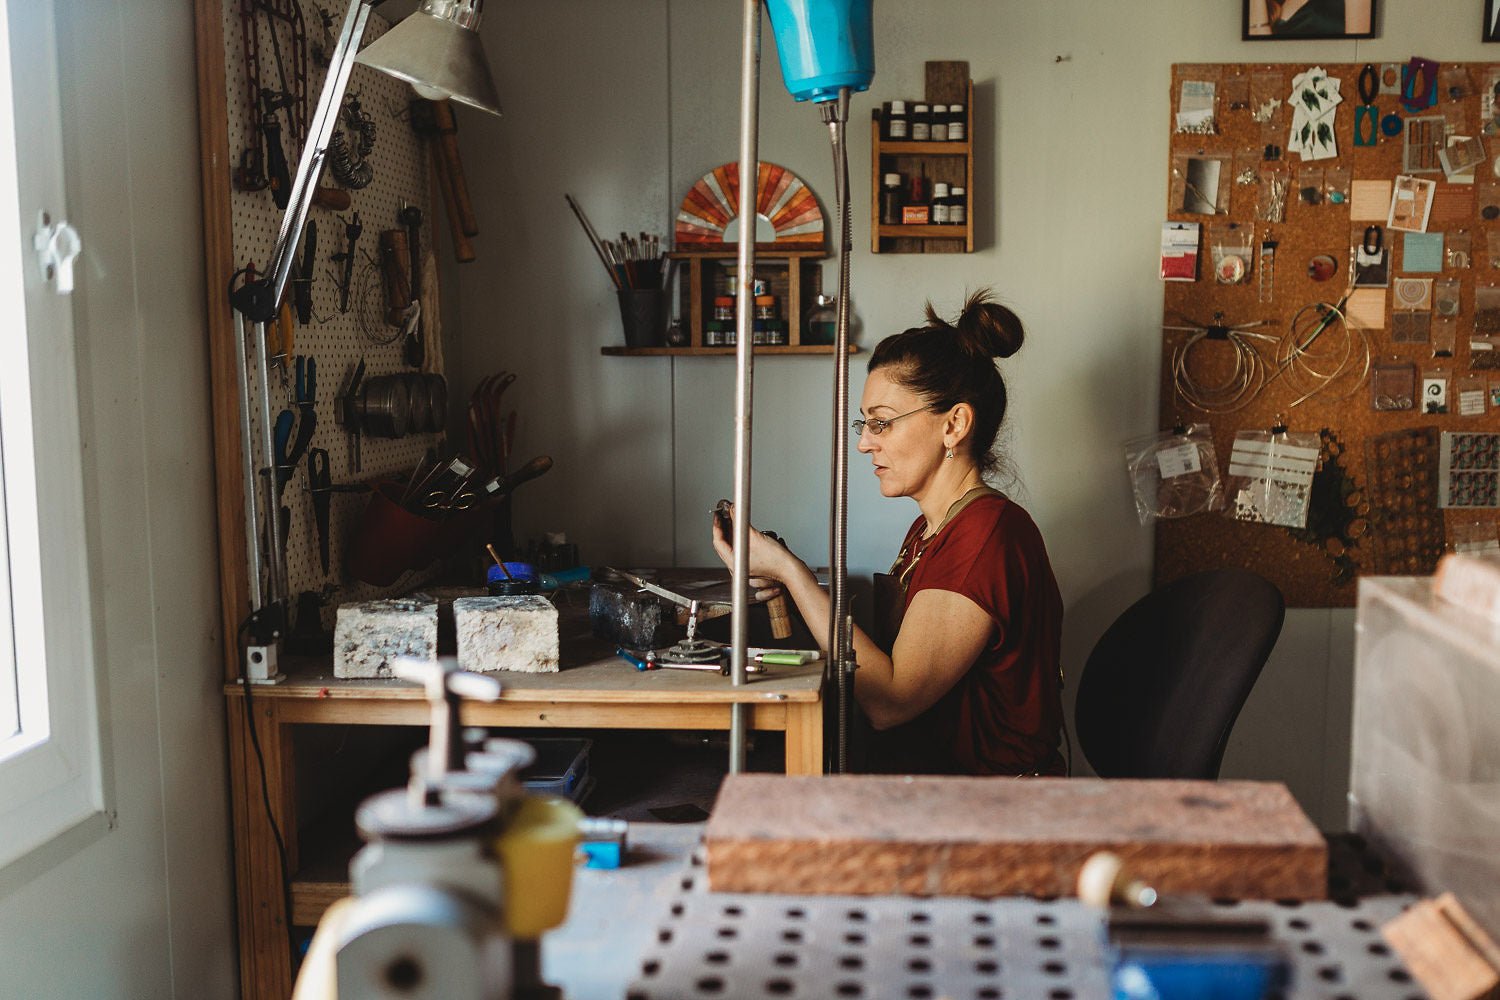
(336, 339)
(734, 945)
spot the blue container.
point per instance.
(521, 579)
(824, 45)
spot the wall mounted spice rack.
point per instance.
(795, 278)
(950, 163)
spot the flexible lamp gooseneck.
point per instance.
(827, 52)
(437, 50)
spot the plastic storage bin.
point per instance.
(561, 767)
(1425, 766)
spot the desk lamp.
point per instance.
(437, 50)
(827, 51)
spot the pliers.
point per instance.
(289, 450)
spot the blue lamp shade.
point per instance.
(437, 51)
(824, 45)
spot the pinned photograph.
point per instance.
(1266, 20)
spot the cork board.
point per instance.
(1374, 507)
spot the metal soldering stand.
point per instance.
(744, 367)
(840, 625)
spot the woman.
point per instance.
(971, 683)
(1309, 18)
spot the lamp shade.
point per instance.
(437, 51)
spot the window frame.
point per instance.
(52, 776)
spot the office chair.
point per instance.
(1164, 684)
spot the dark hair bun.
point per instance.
(988, 328)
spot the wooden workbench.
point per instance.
(594, 689)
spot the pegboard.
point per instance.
(1373, 507)
(336, 339)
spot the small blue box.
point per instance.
(562, 764)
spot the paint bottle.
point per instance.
(896, 122)
(939, 204)
(890, 200)
(958, 123)
(958, 207)
(938, 130)
(921, 123)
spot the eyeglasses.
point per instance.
(877, 425)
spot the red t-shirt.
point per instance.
(1004, 716)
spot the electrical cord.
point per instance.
(265, 791)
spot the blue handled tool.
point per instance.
(649, 663)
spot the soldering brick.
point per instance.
(370, 636)
(970, 836)
(515, 633)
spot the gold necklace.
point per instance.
(903, 575)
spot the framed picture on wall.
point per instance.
(1271, 20)
(1491, 32)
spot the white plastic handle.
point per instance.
(57, 246)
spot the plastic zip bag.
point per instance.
(1270, 476)
(1174, 473)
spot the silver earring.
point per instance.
(950, 452)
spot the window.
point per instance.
(50, 770)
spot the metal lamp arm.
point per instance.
(261, 301)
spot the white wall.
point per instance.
(626, 104)
(146, 909)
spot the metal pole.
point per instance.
(839, 634)
(251, 466)
(744, 367)
(277, 573)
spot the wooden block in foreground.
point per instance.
(1449, 954)
(940, 836)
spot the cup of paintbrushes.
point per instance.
(643, 313)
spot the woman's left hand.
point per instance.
(770, 562)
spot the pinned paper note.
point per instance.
(1421, 252)
(1366, 308)
(1369, 201)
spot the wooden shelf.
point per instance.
(890, 148)
(950, 163)
(699, 352)
(922, 232)
(795, 277)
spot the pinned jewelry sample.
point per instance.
(1174, 473)
(1270, 476)
(1469, 470)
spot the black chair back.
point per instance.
(1164, 684)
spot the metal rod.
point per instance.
(251, 466)
(319, 132)
(744, 367)
(277, 572)
(839, 628)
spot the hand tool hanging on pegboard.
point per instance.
(414, 349)
(303, 276)
(346, 258)
(434, 122)
(281, 22)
